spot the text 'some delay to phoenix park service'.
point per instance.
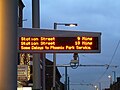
(59, 41)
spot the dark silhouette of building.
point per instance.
(49, 77)
(116, 85)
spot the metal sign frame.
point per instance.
(36, 32)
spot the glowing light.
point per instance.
(58, 43)
(109, 76)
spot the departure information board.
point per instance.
(83, 44)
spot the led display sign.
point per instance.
(59, 44)
(58, 41)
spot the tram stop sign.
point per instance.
(58, 41)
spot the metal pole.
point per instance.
(114, 73)
(54, 57)
(35, 14)
(36, 58)
(65, 78)
(99, 85)
(54, 64)
(36, 72)
(44, 58)
(68, 83)
(54, 71)
(110, 80)
(8, 44)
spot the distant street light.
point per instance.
(65, 24)
(54, 56)
(110, 78)
(96, 87)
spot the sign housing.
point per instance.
(59, 41)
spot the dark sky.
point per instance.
(90, 15)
